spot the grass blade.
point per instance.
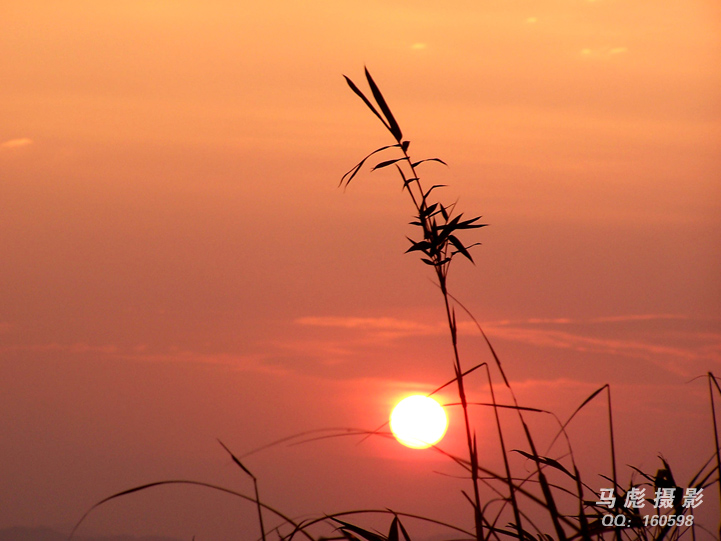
(547, 461)
(416, 164)
(354, 170)
(387, 163)
(392, 124)
(186, 482)
(255, 485)
(369, 536)
(362, 96)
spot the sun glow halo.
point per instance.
(418, 422)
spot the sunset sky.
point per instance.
(178, 264)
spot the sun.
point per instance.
(418, 422)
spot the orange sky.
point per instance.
(178, 264)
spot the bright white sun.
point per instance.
(418, 422)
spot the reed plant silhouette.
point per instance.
(438, 243)
(552, 502)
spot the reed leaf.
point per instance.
(362, 96)
(380, 100)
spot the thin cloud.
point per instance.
(639, 317)
(324, 348)
(16, 143)
(606, 319)
(251, 363)
(595, 335)
(566, 340)
(406, 327)
(532, 321)
(565, 387)
(78, 347)
(368, 324)
(139, 353)
(603, 52)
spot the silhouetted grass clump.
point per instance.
(552, 502)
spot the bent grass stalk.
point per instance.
(526, 495)
(438, 244)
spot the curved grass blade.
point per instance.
(717, 448)
(575, 412)
(354, 170)
(403, 530)
(393, 532)
(464, 374)
(459, 246)
(333, 516)
(360, 94)
(506, 406)
(186, 482)
(365, 534)
(255, 484)
(416, 164)
(387, 163)
(392, 124)
(553, 463)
